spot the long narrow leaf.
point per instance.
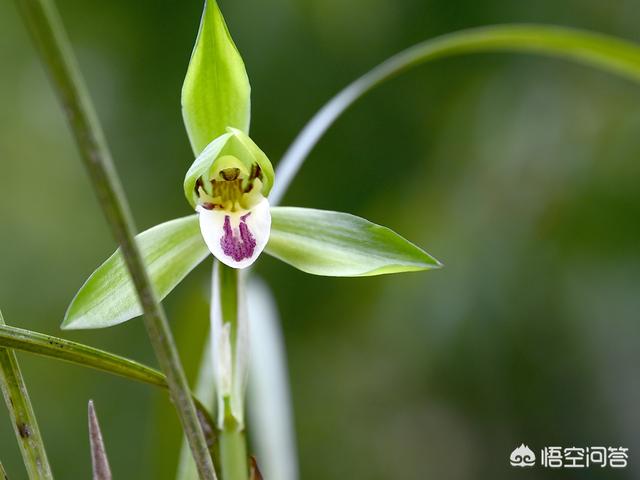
(85, 356)
(341, 245)
(22, 416)
(170, 251)
(3, 473)
(79, 354)
(600, 51)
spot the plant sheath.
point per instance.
(99, 460)
(42, 20)
(22, 415)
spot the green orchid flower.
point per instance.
(228, 186)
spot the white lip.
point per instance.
(234, 245)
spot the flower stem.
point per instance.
(233, 451)
(41, 18)
(22, 417)
(233, 445)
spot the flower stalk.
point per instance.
(230, 358)
(233, 452)
(51, 40)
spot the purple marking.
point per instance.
(234, 247)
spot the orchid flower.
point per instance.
(228, 186)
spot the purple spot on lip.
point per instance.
(234, 247)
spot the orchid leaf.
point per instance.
(89, 357)
(604, 52)
(23, 418)
(216, 90)
(170, 250)
(338, 244)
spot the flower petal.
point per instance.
(236, 238)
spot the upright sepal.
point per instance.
(216, 90)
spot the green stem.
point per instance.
(233, 447)
(85, 356)
(3, 473)
(233, 451)
(48, 32)
(22, 415)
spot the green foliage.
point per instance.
(88, 357)
(23, 417)
(341, 245)
(170, 251)
(601, 51)
(216, 91)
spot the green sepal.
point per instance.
(234, 143)
(170, 251)
(338, 244)
(216, 91)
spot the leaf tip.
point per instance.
(99, 461)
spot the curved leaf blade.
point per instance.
(216, 91)
(601, 51)
(338, 244)
(170, 251)
(86, 356)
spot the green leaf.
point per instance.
(341, 245)
(22, 416)
(170, 251)
(216, 90)
(606, 53)
(89, 357)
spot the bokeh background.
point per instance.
(520, 173)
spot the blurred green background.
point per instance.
(520, 173)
